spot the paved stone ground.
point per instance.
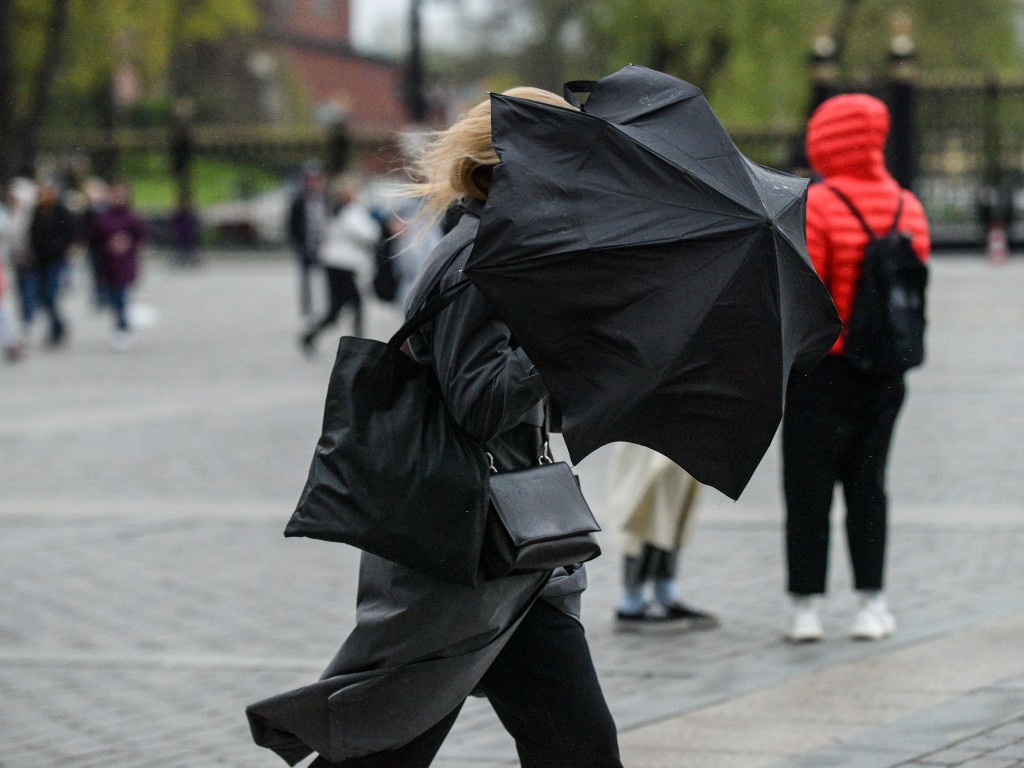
(146, 594)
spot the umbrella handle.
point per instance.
(573, 87)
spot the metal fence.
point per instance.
(965, 135)
(966, 138)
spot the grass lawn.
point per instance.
(213, 181)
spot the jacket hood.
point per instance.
(846, 136)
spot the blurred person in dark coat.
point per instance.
(51, 233)
(118, 234)
(96, 193)
(307, 217)
(186, 233)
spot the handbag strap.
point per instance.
(429, 311)
(544, 454)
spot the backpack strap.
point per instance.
(853, 209)
(899, 212)
(860, 217)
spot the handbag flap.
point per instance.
(541, 503)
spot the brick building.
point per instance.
(313, 37)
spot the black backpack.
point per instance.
(385, 279)
(885, 333)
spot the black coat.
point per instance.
(304, 241)
(51, 233)
(421, 645)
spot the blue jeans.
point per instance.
(117, 296)
(50, 280)
(28, 293)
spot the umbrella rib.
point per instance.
(796, 247)
(671, 162)
(752, 217)
(703, 236)
(787, 206)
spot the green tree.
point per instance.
(749, 56)
(979, 36)
(77, 45)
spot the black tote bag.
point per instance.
(393, 474)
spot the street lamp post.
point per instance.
(902, 52)
(414, 82)
(182, 147)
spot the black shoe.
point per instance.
(653, 619)
(697, 619)
(656, 618)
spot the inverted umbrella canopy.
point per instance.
(658, 279)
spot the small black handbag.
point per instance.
(538, 519)
(394, 475)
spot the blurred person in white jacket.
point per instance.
(347, 255)
(10, 339)
(20, 202)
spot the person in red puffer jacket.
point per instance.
(839, 421)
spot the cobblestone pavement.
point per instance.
(146, 593)
(1001, 745)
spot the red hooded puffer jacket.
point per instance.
(845, 141)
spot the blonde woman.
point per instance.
(422, 645)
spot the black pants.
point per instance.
(342, 291)
(545, 691)
(653, 564)
(837, 429)
(307, 263)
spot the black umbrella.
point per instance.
(658, 279)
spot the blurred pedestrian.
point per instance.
(186, 233)
(307, 217)
(385, 280)
(11, 343)
(51, 233)
(415, 239)
(118, 234)
(839, 419)
(21, 202)
(347, 254)
(653, 501)
(97, 194)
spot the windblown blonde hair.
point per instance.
(457, 162)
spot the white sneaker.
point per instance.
(806, 626)
(874, 620)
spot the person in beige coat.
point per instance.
(652, 501)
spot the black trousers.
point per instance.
(342, 291)
(837, 428)
(653, 564)
(545, 691)
(307, 263)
